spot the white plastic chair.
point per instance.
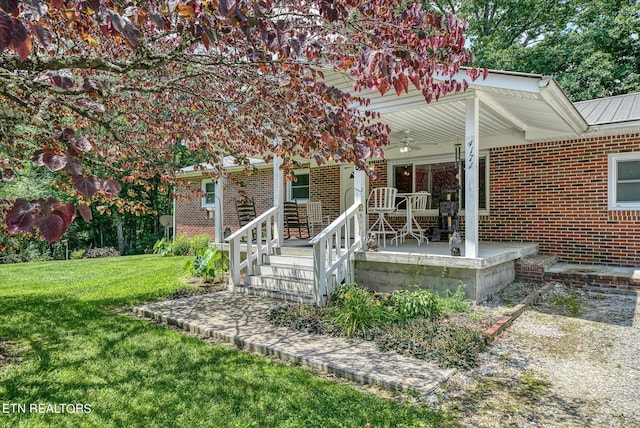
(382, 201)
(314, 214)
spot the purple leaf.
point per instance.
(74, 167)
(86, 186)
(10, 6)
(111, 187)
(62, 81)
(42, 34)
(85, 212)
(20, 217)
(36, 158)
(54, 161)
(81, 144)
(51, 226)
(5, 31)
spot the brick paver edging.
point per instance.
(496, 330)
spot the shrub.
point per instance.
(455, 302)
(356, 310)
(181, 245)
(77, 254)
(163, 248)
(197, 243)
(208, 263)
(94, 253)
(418, 303)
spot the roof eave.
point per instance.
(551, 92)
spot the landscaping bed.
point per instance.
(448, 330)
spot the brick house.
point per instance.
(536, 168)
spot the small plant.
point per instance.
(455, 302)
(356, 310)
(208, 263)
(181, 245)
(415, 304)
(77, 254)
(568, 302)
(163, 248)
(198, 243)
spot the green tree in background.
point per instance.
(591, 47)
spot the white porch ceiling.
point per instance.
(531, 105)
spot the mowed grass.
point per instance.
(65, 321)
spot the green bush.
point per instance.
(455, 302)
(208, 263)
(163, 248)
(197, 243)
(181, 245)
(419, 303)
(357, 311)
(77, 254)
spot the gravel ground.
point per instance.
(571, 360)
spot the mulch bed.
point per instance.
(196, 286)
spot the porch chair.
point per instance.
(293, 219)
(315, 217)
(246, 210)
(382, 201)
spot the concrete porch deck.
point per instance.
(431, 266)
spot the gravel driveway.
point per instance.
(571, 360)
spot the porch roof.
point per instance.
(530, 104)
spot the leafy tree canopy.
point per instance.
(96, 89)
(591, 47)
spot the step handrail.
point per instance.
(258, 250)
(332, 250)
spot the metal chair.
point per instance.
(315, 217)
(382, 201)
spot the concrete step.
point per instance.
(291, 261)
(287, 271)
(289, 285)
(610, 277)
(275, 294)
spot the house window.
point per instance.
(624, 181)
(209, 190)
(436, 177)
(298, 190)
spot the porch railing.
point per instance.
(332, 250)
(260, 242)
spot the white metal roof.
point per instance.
(620, 108)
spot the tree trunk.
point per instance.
(119, 233)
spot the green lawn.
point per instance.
(62, 319)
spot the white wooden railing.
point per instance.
(259, 240)
(332, 250)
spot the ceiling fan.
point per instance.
(406, 145)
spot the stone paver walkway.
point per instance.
(241, 319)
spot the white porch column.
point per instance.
(278, 200)
(359, 197)
(219, 212)
(471, 177)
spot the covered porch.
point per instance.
(450, 137)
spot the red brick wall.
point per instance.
(556, 194)
(191, 218)
(325, 187)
